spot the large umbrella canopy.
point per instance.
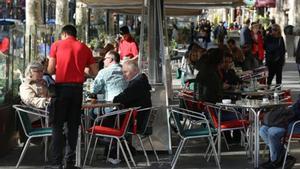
(191, 6)
(167, 2)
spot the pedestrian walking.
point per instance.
(275, 54)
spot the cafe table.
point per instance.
(87, 106)
(254, 107)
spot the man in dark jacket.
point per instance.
(137, 93)
(276, 123)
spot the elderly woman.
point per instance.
(33, 91)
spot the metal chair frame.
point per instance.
(34, 111)
(242, 128)
(196, 115)
(118, 138)
(289, 142)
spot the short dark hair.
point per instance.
(247, 22)
(124, 30)
(70, 30)
(114, 55)
(215, 56)
(232, 41)
(272, 21)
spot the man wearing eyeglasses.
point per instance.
(110, 80)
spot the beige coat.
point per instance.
(34, 93)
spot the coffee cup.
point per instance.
(226, 101)
(265, 100)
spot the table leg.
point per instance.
(251, 131)
(86, 126)
(256, 138)
(118, 147)
(219, 134)
(78, 148)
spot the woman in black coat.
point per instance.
(275, 54)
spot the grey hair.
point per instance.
(32, 65)
(132, 65)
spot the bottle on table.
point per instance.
(276, 96)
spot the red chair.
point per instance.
(285, 96)
(237, 124)
(112, 132)
(190, 104)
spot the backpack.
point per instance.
(278, 117)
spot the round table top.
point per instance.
(99, 104)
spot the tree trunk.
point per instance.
(81, 19)
(62, 12)
(33, 18)
(61, 15)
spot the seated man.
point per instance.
(110, 80)
(33, 91)
(137, 93)
(272, 131)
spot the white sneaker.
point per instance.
(114, 161)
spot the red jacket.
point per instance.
(258, 46)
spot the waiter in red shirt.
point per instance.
(128, 48)
(68, 60)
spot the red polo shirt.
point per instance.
(71, 57)
(128, 48)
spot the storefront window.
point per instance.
(12, 61)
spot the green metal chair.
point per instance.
(30, 132)
(204, 130)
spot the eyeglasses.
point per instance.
(37, 71)
(107, 58)
(275, 30)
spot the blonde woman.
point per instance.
(33, 91)
(275, 54)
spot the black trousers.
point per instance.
(67, 111)
(275, 69)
